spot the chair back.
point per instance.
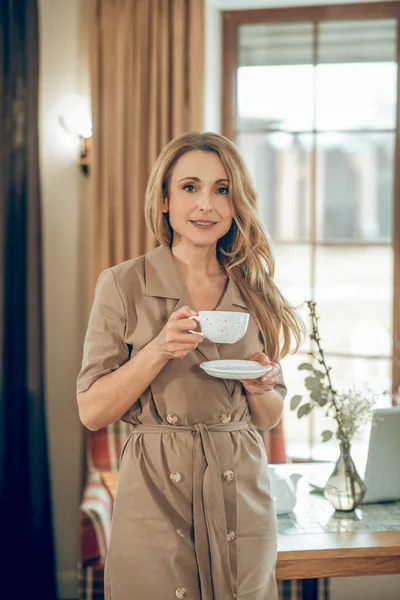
(104, 446)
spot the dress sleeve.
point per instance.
(104, 348)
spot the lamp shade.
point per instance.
(75, 116)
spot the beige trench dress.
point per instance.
(193, 515)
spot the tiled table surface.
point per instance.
(314, 514)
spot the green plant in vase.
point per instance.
(351, 409)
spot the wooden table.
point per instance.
(315, 542)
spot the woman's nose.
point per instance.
(205, 201)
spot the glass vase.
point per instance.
(345, 489)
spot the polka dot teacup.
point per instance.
(222, 327)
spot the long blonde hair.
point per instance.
(245, 251)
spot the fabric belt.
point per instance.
(216, 557)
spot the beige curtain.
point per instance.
(147, 63)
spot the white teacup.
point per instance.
(222, 327)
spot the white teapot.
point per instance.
(283, 489)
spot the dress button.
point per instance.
(175, 477)
(229, 475)
(225, 418)
(180, 532)
(231, 536)
(172, 419)
(180, 593)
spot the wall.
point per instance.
(63, 71)
(368, 588)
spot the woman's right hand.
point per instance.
(174, 341)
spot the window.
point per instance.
(314, 113)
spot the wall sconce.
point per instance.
(86, 154)
(76, 118)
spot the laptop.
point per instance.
(381, 474)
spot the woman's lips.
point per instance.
(203, 224)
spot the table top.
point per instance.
(314, 514)
(314, 541)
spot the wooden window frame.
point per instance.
(372, 10)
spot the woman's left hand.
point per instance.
(265, 383)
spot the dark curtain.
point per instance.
(25, 516)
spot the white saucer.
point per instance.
(235, 369)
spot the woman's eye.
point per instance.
(189, 187)
(223, 190)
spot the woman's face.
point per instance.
(198, 201)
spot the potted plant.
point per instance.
(351, 409)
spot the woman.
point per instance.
(193, 516)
